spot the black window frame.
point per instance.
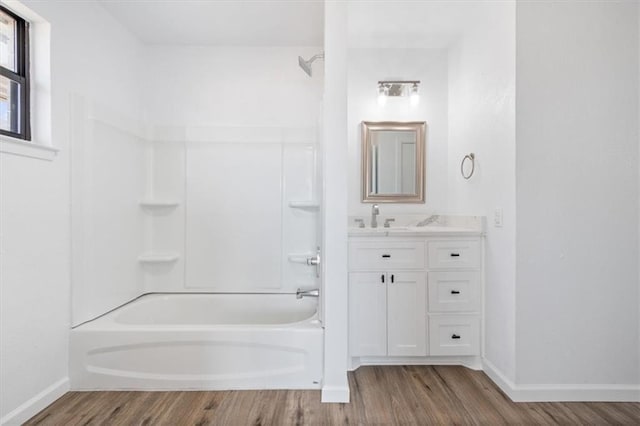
(21, 76)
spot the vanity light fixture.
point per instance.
(383, 92)
(414, 97)
(398, 88)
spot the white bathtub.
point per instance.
(201, 341)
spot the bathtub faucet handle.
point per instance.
(315, 261)
(307, 293)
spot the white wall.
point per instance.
(577, 194)
(366, 68)
(231, 86)
(335, 386)
(90, 55)
(482, 121)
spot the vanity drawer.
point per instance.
(367, 255)
(454, 335)
(454, 254)
(454, 291)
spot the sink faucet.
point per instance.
(375, 211)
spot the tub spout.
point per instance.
(307, 293)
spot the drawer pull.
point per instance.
(455, 254)
(392, 278)
(382, 278)
(386, 256)
(455, 292)
(455, 336)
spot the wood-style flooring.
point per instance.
(404, 395)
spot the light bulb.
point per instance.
(414, 97)
(383, 92)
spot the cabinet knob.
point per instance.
(455, 254)
(455, 336)
(455, 292)
(392, 278)
(382, 278)
(386, 256)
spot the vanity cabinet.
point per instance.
(414, 296)
(386, 313)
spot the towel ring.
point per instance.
(472, 158)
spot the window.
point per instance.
(14, 76)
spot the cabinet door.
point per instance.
(407, 314)
(367, 314)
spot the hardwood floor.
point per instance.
(407, 395)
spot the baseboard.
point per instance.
(498, 377)
(335, 394)
(36, 404)
(561, 393)
(472, 362)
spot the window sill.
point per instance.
(9, 145)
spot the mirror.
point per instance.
(393, 162)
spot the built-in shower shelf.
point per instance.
(159, 204)
(158, 257)
(305, 204)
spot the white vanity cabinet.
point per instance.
(387, 298)
(414, 296)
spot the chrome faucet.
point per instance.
(307, 293)
(375, 211)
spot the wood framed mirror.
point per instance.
(393, 159)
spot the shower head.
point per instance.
(306, 65)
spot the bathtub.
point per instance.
(201, 341)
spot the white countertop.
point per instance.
(414, 231)
(445, 226)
